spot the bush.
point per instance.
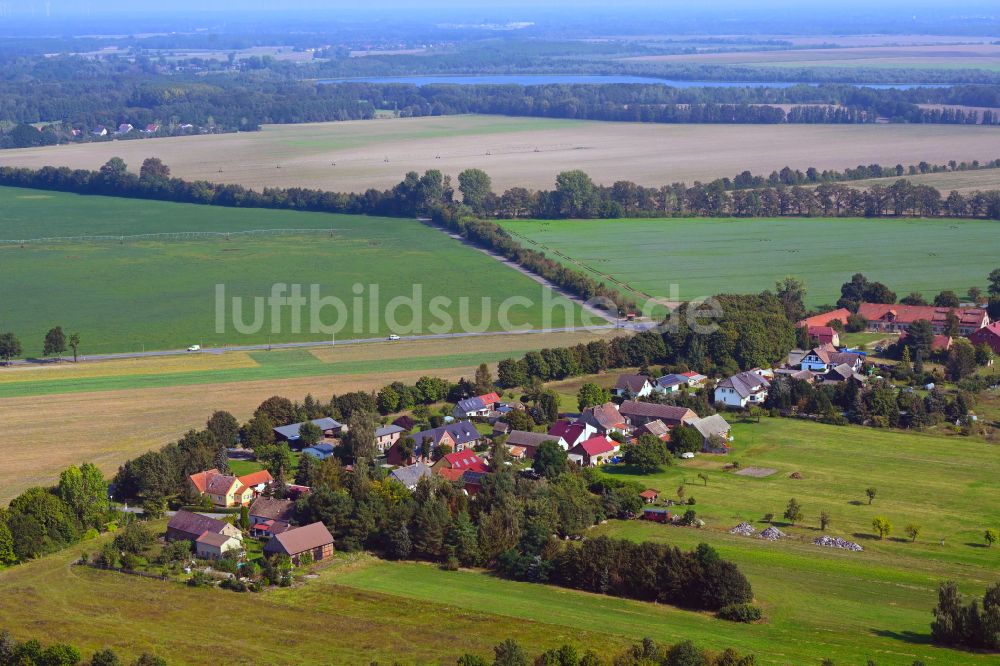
(234, 584)
(740, 613)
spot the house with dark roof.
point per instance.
(290, 433)
(671, 383)
(320, 451)
(530, 441)
(746, 388)
(188, 526)
(604, 418)
(715, 433)
(656, 428)
(480, 405)
(459, 436)
(632, 386)
(641, 413)
(410, 475)
(270, 516)
(842, 373)
(386, 436)
(597, 450)
(294, 543)
(572, 432)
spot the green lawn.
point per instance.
(161, 293)
(707, 256)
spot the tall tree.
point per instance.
(224, 427)
(55, 342)
(360, 437)
(10, 347)
(792, 292)
(484, 379)
(476, 188)
(74, 343)
(994, 278)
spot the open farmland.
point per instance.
(160, 292)
(923, 56)
(962, 181)
(102, 402)
(710, 256)
(526, 152)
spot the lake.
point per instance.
(545, 79)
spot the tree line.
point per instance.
(33, 652)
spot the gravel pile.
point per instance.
(743, 529)
(837, 542)
(772, 533)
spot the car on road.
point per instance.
(687, 455)
(194, 348)
(394, 337)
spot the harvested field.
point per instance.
(526, 152)
(962, 181)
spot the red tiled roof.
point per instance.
(988, 335)
(465, 460)
(649, 493)
(450, 473)
(254, 478)
(907, 314)
(840, 315)
(597, 445)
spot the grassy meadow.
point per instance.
(524, 152)
(710, 256)
(160, 293)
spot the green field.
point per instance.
(161, 293)
(708, 256)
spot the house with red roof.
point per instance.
(825, 318)
(987, 335)
(825, 335)
(886, 318)
(461, 460)
(226, 490)
(597, 450)
(480, 405)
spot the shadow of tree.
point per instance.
(867, 537)
(905, 636)
(976, 545)
(857, 503)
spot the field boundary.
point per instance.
(168, 235)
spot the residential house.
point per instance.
(215, 546)
(530, 441)
(987, 335)
(695, 379)
(226, 490)
(386, 436)
(825, 357)
(632, 386)
(459, 436)
(410, 475)
(472, 482)
(290, 433)
(100, 130)
(294, 543)
(500, 428)
(898, 318)
(480, 405)
(124, 128)
(715, 433)
(641, 413)
(188, 526)
(572, 432)
(604, 418)
(461, 460)
(595, 451)
(842, 373)
(270, 516)
(746, 388)
(671, 383)
(151, 128)
(825, 335)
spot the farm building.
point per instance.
(987, 335)
(649, 495)
(290, 433)
(530, 441)
(188, 526)
(214, 546)
(314, 538)
(604, 418)
(641, 413)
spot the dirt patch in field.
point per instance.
(757, 472)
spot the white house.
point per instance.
(671, 383)
(746, 388)
(632, 386)
(827, 357)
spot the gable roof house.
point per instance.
(695, 379)
(226, 490)
(826, 357)
(597, 450)
(897, 318)
(290, 433)
(215, 546)
(571, 432)
(410, 475)
(100, 130)
(386, 436)
(641, 413)
(713, 427)
(461, 460)
(604, 418)
(270, 516)
(314, 538)
(188, 526)
(743, 389)
(632, 386)
(825, 318)
(459, 436)
(124, 128)
(480, 405)
(320, 451)
(530, 441)
(842, 373)
(987, 335)
(656, 428)
(825, 335)
(671, 383)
